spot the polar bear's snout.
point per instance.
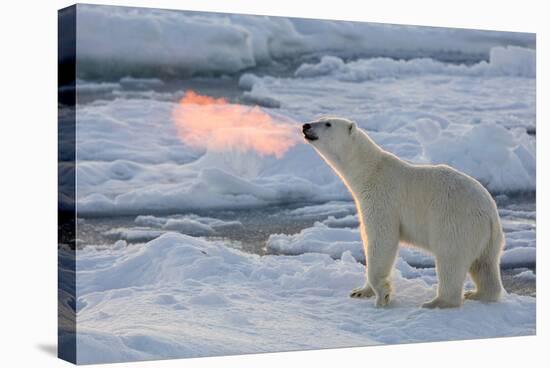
(308, 132)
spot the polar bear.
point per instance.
(433, 207)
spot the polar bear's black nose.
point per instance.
(306, 127)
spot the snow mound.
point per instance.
(179, 296)
(133, 235)
(248, 80)
(140, 83)
(518, 257)
(333, 208)
(527, 275)
(498, 158)
(187, 224)
(513, 61)
(349, 221)
(504, 61)
(95, 87)
(318, 239)
(256, 98)
(151, 227)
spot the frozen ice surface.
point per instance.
(160, 300)
(186, 43)
(130, 160)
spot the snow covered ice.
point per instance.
(162, 266)
(181, 296)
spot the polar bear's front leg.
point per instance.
(366, 290)
(381, 252)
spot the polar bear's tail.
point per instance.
(485, 270)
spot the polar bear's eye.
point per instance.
(328, 124)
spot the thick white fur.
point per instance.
(433, 207)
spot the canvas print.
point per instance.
(234, 184)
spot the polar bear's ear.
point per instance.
(352, 127)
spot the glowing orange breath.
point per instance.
(214, 124)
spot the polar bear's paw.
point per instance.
(383, 292)
(383, 299)
(440, 303)
(362, 292)
(487, 298)
(472, 295)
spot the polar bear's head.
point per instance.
(331, 137)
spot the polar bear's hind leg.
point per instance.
(485, 270)
(451, 278)
(485, 273)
